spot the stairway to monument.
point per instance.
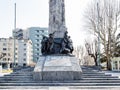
(92, 77)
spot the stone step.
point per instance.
(96, 74)
(91, 78)
(25, 87)
(89, 70)
(10, 75)
(87, 77)
(25, 70)
(22, 72)
(61, 87)
(75, 81)
(92, 72)
(17, 76)
(99, 76)
(16, 79)
(94, 88)
(83, 79)
(60, 84)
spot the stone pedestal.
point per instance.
(57, 68)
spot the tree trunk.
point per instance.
(95, 60)
(108, 63)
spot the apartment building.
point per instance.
(7, 48)
(25, 53)
(21, 54)
(34, 34)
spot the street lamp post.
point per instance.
(98, 56)
(14, 34)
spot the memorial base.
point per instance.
(57, 68)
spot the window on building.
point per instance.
(24, 49)
(37, 40)
(9, 54)
(4, 44)
(4, 49)
(37, 44)
(24, 54)
(24, 59)
(37, 35)
(4, 59)
(37, 53)
(42, 31)
(9, 44)
(37, 31)
(24, 64)
(53, 18)
(9, 49)
(37, 49)
(25, 44)
(37, 58)
(115, 65)
(4, 54)
(5, 39)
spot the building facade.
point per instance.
(34, 34)
(21, 54)
(18, 33)
(25, 52)
(115, 64)
(115, 61)
(7, 48)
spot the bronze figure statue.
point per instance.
(51, 45)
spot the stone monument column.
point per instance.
(57, 18)
(56, 64)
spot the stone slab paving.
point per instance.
(60, 88)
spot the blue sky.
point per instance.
(36, 13)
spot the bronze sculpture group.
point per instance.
(51, 45)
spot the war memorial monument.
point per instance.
(57, 62)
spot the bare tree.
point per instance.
(91, 48)
(79, 52)
(108, 11)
